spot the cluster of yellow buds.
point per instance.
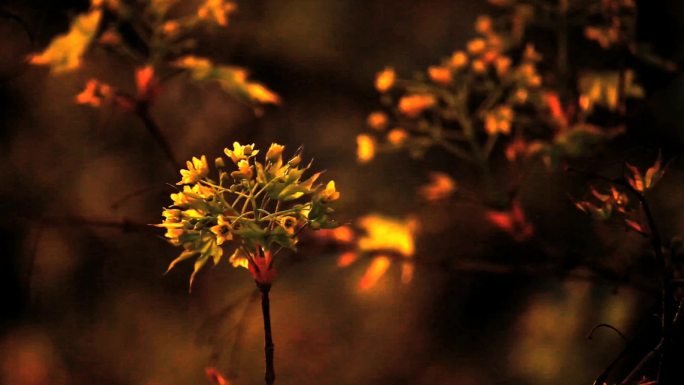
(250, 208)
(490, 92)
(435, 107)
(498, 120)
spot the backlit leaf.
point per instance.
(65, 51)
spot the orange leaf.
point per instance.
(654, 173)
(215, 376)
(513, 221)
(636, 226)
(375, 271)
(146, 83)
(554, 103)
(347, 258)
(636, 180)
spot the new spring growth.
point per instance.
(250, 208)
(604, 204)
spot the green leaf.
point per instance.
(186, 254)
(199, 263)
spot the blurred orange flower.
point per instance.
(441, 186)
(458, 60)
(413, 105)
(440, 75)
(377, 120)
(384, 80)
(483, 24)
(365, 148)
(397, 136)
(476, 46)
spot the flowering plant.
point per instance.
(501, 103)
(255, 209)
(252, 208)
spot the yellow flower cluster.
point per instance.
(498, 120)
(249, 208)
(424, 111)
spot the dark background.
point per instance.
(84, 298)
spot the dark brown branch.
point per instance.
(268, 339)
(648, 357)
(657, 245)
(123, 224)
(143, 112)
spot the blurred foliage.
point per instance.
(156, 38)
(483, 277)
(501, 95)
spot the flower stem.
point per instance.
(152, 127)
(268, 339)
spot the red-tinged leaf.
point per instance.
(500, 219)
(636, 180)
(146, 83)
(654, 173)
(619, 198)
(513, 222)
(583, 206)
(597, 212)
(556, 108)
(600, 196)
(262, 269)
(215, 376)
(636, 226)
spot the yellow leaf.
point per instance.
(182, 257)
(387, 234)
(65, 51)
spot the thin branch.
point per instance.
(152, 127)
(648, 357)
(269, 348)
(117, 203)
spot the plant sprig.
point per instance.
(255, 208)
